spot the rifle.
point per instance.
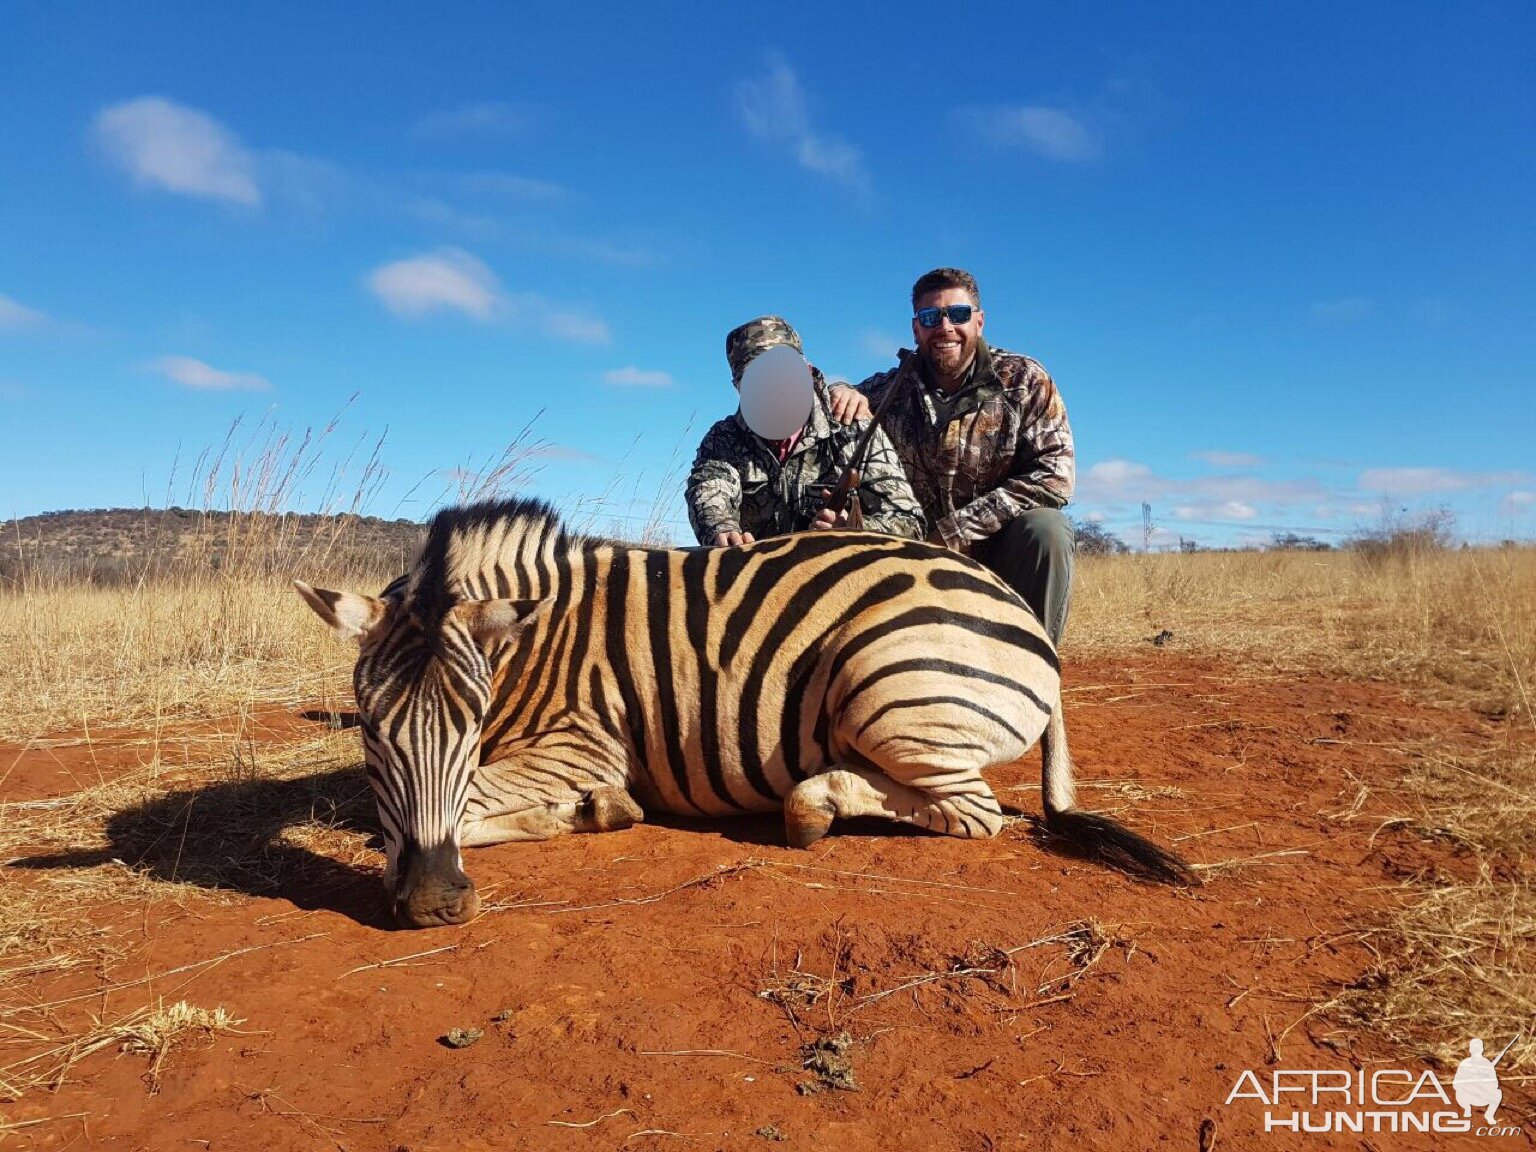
(1508, 1046)
(841, 496)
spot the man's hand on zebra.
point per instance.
(731, 539)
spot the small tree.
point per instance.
(1093, 539)
(1404, 537)
(1291, 542)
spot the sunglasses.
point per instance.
(958, 314)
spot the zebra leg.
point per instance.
(961, 806)
(509, 803)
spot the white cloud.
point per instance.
(201, 377)
(632, 377)
(543, 315)
(598, 251)
(1116, 477)
(452, 280)
(1519, 501)
(16, 316)
(495, 229)
(1343, 310)
(486, 117)
(509, 184)
(1125, 481)
(774, 109)
(1053, 133)
(179, 149)
(306, 182)
(1216, 458)
(1431, 481)
(448, 280)
(1226, 510)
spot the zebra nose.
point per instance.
(434, 905)
(434, 890)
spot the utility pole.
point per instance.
(1146, 527)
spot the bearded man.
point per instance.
(982, 434)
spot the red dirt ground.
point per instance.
(652, 989)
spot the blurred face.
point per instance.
(948, 348)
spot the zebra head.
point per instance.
(423, 682)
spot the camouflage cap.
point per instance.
(755, 336)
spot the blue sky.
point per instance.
(1277, 259)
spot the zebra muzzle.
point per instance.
(433, 889)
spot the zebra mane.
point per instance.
(465, 543)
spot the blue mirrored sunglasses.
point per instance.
(958, 314)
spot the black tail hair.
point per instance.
(1116, 845)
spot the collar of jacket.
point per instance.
(817, 428)
(982, 382)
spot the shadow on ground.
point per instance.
(246, 836)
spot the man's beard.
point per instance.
(951, 363)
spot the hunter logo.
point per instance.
(1384, 1100)
(1477, 1083)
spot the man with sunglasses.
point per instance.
(983, 436)
(743, 487)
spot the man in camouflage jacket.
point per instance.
(743, 487)
(984, 438)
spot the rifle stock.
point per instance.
(841, 496)
(840, 499)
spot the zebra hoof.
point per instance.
(612, 809)
(806, 820)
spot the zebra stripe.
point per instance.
(520, 681)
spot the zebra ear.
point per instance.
(350, 616)
(490, 621)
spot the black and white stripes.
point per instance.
(518, 671)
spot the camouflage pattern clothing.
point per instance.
(738, 484)
(744, 343)
(981, 456)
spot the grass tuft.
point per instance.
(150, 1031)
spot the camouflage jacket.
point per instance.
(738, 485)
(1004, 447)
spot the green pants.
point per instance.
(1033, 555)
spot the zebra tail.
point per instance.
(1119, 847)
(1095, 835)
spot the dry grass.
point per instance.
(151, 1031)
(1459, 962)
(93, 658)
(1456, 624)
(1459, 959)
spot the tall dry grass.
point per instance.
(1459, 624)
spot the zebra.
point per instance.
(522, 681)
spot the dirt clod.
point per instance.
(460, 1037)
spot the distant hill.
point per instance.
(116, 545)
